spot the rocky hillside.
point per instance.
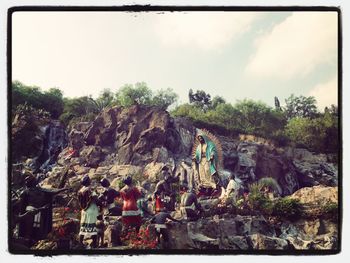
(139, 140)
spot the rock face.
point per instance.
(253, 232)
(316, 195)
(140, 140)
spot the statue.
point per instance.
(89, 212)
(190, 207)
(159, 220)
(207, 157)
(143, 205)
(164, 194)
(131, 215)
(107, 198)
(34, 198)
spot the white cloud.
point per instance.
(296, 46)
(204, 30)
(326, 93)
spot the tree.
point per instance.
(318, 134)
(200, 99)
(257, 118)
(130, 95)
(300, 106)
(164, 98)
(50, 101)
(105, 99)
(216, 101)
(79, 109)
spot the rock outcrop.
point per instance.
(140, 140)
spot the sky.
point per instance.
(236, 55)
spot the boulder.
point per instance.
(102, 131)
(92, 155)
(152, 171)
(316, 195)
(310, 233)
(259, 241)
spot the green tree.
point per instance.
(216, 101)
(257, 118)
(50, 101)
(164, 98)
(106, 99)
(79, 109)
(134, 94)
(200, 99)
(300, 106)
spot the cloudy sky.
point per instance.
(255, 55)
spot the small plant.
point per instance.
(287, 207)
(141, 240)
(258, 201)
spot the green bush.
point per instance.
(287, 207)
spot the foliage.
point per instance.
(106, 99)
(164, 98)
(244, 117)
(280, 207)
(287, 207)
(271, 183)
(130, 95)
(200, 99)
(257, 200)
(300, 106)
(216, 101)
(79, 109)
(141, 240)
(318, 134)
(140, 93)
(50, 101)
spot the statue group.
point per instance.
(137, 207)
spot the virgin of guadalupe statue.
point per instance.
(207, 155)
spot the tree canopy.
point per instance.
(298, 123)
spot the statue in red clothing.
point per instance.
(131, 215)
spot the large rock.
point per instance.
(140, 129)
(102, 130)
(316, 195)
(260, 241)
(310, 233)
(92, 155)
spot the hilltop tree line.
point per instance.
(297, 123)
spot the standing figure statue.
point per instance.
(190, 208)
(107, 199)
(89, 212)
(159, 221)
(34, 198)
(207, 155)
(131, 215)
(164, 194)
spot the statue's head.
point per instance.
(127, 180)
(104, 182)
(85, 181)
(200, 138)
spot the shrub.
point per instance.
(287, 207)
